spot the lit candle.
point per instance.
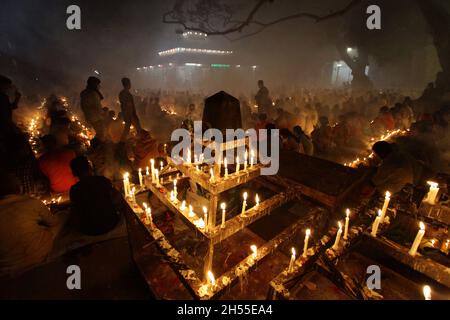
(148, 212)
(188, 158)
(152, 164)
(347, 219)
(291, 263)
(417, 240)
(252, 156)
(427, 292)
(245, 160)
(205, 212)
(256, 201)
(223, 207)
(147, 171)
(254, 250)
(161, 165)
(432, 193)
(133, 194)
(141, 182)
(172, 196)
(237, 164)
(225, 163)
(338, 236)
(183, 206)
(387, 198)
(244, 203)
(175, 192)
(211, 280)
(375, 224)
(211, 173)
(305, 245)
(158, 185)
(126, 185)
(191, 212)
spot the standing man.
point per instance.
(262, 98)
(128, 109)
(90, 101)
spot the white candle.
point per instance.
(237, 164)
(254, 250)
(291, 263)
(172, 196)
(223, 207)
(125, 184)
(225, 163)
(183, 206)
(211, 280)
(252, 156)
(211, 173)
(205, 212)
(188, 159)
(149, 217)
(161, 165)
(244, 203)
(375, 224)
(432, 193)
(338, 236)
(133, 194)
(175, 192)
(347, 219)
(387, 198)
(417, 240)
(191, 212)
(305, 245)
(158, 185)
(141, 181)
(427, 292)
(152, 164)
(245, 160)
(256, 201)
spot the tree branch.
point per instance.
(239, 26)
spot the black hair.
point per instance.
(80, 166)
(126, 81)
(382, 148)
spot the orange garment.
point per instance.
(55, 165)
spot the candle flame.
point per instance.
(175, 182)
(427, 292)
(205, 210)
(144, 205)
(257, 199)
(347, 212)
(245, 195)
(340, 225)
(433, 184)
(254, 250)
(379, 212)
(211, 278)
(308, 232)
(293, 251)
(422, 225)
(223, 205)
(388, 195)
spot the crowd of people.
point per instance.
(332, 124)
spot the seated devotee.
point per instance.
(322, 136)
(94, 200)
(305, 141)
(55, 163)
(146, 148)
(289, 141)
(27, 229)
(397, 168)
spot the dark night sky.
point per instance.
(117, 36)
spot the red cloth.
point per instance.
(55, 165)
